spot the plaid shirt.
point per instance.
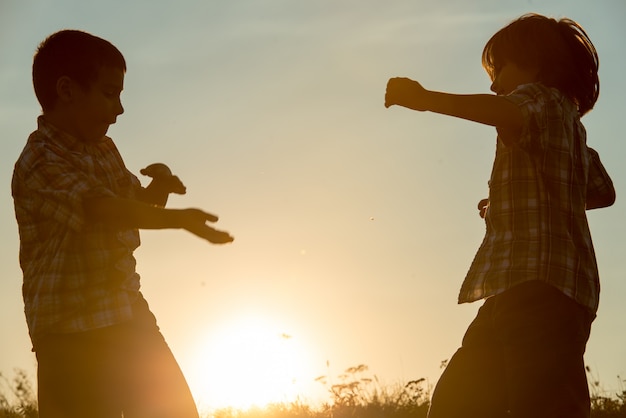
(77, 275)
(536, 222)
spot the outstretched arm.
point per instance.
(487, 109)
(118, 212)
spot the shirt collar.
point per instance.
(62, 138)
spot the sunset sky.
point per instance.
(354, 224)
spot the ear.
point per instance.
(65, 89)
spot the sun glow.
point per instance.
(248, 362)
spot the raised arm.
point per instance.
(163, 183)
(128, 213)
(487, 109)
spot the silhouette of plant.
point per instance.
(24, 403)
(603, 403)
(353, 394)
(359, 395)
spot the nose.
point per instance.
(119, 109)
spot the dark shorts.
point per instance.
(126, 368)
(522, 356)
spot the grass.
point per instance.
(355, 394)
(20, 401)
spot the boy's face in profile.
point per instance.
(510, 76)
(94, 109)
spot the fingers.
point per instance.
(176, 186)
(388, 102)
(156, 170)
(162, 175)
(192, 217)
(210, 217)
(194, 221)
(219, 237)
(170, 184)
(389, 92)
(397, 88)
(482, 207)
(212, 235)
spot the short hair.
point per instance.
(75, 54)
(560, 50)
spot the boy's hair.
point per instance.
(75, 54)
(560, 50)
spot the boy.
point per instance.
(98, 348)
(522, 356)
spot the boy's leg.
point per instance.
(156, 385)
(100, 374)
(473, 383)
(528, 342)
(544, 334)
(75, 379)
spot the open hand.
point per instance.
(407, 93)
(215, 236)
(194, 221)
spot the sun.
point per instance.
(249, 361)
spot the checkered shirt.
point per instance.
(536, 222)
(77, 275)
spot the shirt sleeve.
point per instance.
(56, 187)
(532, 102)
(599, 184)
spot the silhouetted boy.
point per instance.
(523, 354)
(99, 351)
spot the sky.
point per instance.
(354, 224)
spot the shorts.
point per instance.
(123, 369)
(522, 356)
